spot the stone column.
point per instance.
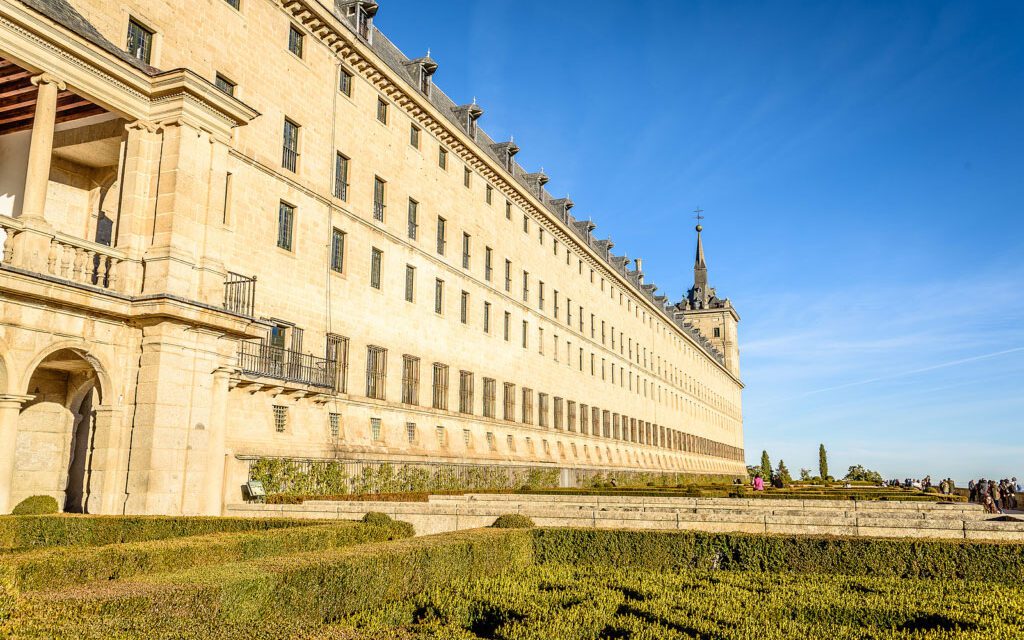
(10, 407)
(32, 246)
(104, 476)
(213, 503)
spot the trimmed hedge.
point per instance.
(25, 532)
(513, 521)
(265, 598)
(36, 506)
(901, 558)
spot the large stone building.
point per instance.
(244, 228)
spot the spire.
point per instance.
(700, 267)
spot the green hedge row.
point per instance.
(268, 597)
(736, 492)
(902, 558)
(24, 532)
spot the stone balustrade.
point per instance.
(67, 257)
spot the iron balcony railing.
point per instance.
(265, 360)
(289, 158)
(240, 294)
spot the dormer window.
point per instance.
(362, 23)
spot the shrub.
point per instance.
(379, 519)
(36, 506)
(513, 521)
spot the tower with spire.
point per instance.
(715, 318)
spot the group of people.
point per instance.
(995, 495)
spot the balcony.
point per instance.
(259, 359)
(240, 294)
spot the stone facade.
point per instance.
(209, 254)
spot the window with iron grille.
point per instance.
(490, 389)
(375, 430)
(568, 312)
(527, 405)
(280, 418)
(442, 157)
(442, 436)
(487, 264)
(616, 428)
(558, 413)
(465, 250)
(440, 399)
(508, 325)
(337, 354)
(464, 307)
(526, 286)
(140, 41)
(466, 176)
(571, 415)
(376, 372)
(414, 136)
(378, 199)
(442, 241)
(338, 250)
(285, 225)
(376, 257)
(410, 432)
(510, 442)
(488, 194)
(224, 84)
(438, 296)
(508, 275)
(382, 110)
(542, 409)
(595, 421)
(584, 418)
(290, 145)
(509, 412)
(491, 445)
(295, 40)
(340, 177)
(540, 295)
(334, 423)
(606, 423)
(413, 218)
(487, 317)
(466, 392)
(467, 438)
(345, 82)
(556, 304)
(410, 380)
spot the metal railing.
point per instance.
(289, 158)
(240, 294)
(265, 360)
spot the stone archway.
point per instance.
(56, 430)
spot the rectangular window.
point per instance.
(438, 296)
(410, 380)
(442, 157)
(467, 438)
(526, 286)
(490, 441)
(488, 194)
(440, 399)
(410, 432)
(508, 275)
(378, 199)
(508, 210)
(226, 212)
(376, 372)
(280, 418)
(556, 304)
(509, 409)
(583, 419)
(490, 390)
(571, 416)
(487, 263)
(487, 317)
(337, 355)
(382, 110)
(338, 250)
(224, 84)
(345, 82)
(558, 413)
(466, 176)
(464, 308)
(410, 283)
(414, 136)
(442, 243)
(527, 406)
(542, 410)
(290, 146)
(376, 257)
(341, 177)
(413, 218)
(508, 325)
(375, 430)
(526, 223)
(540, 295)
(466, 392)
(285, 225)
(465, 250)
(442, 437)
(334, 424)
(526, 328)
(295, 40)
(140, 41)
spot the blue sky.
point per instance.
(861, 165)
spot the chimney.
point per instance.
(639, 270)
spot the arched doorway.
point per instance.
(56, 430)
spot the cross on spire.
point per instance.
(698, 211)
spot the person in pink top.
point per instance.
(758, 483)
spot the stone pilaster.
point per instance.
(138, 192)
(105, 479)
(10, 407)
(215, 443)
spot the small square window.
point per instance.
(224, 85)
(140, 41)
(345, 82)
(295, 40)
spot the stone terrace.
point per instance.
(820, 517)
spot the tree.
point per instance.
(858, 472)
(822, 463)
(805, 475)
(784, 476)
(766, 467)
